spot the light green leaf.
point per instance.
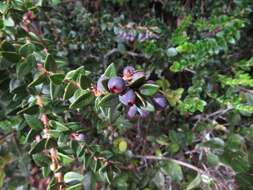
(110, 71)
(71, 177)
(149, 89)
(173, 170)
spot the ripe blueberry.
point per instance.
(116, 85)
(128, 98)
(160, 101)
(132, 111)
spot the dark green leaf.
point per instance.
(57, 78)
(85, 82)
(33, 121)
(26, 66)
(50, 64)
(38, 147)
(149, 89)
(26, 49)
(40, 79)
(69, 91)
(82, 100)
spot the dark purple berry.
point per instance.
(116, 85)
(128, 98)
(128, 72)
(160, 101)
(132, 111)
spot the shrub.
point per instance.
(120, 94)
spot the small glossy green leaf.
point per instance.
(40, 79)
(83, 100)
(26, 67)
(38, 147)
(33, 121)
(50, 64)
(57, 78)
(71, 177)
(149, 89)
(65, 159)
(74, 74)
(69, 91)
(26, 49)
(105, 99)
(41, 159)
(137, 81)
(3, 7)
(58, 126)
(11, 56)
(111, 71)
(84, 82)
(29, 110)
(195, 183)
(9, 22)
(7, 46)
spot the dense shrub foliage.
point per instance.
(126, 94)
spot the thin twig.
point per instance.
(150, 157)
(6, 136)
(129, 53)
(215, 115)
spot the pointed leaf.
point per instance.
(50, 63)
(110, 71)
(71, 177)
(33, 121)
(149, 89)
(82, 100)
(57, 78)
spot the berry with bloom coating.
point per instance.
(132, 111)
(160, 101)
(116, 85)
(128, 72)
(128, 98)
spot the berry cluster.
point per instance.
(131, 36)
(128, 90)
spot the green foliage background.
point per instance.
(202, 62)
